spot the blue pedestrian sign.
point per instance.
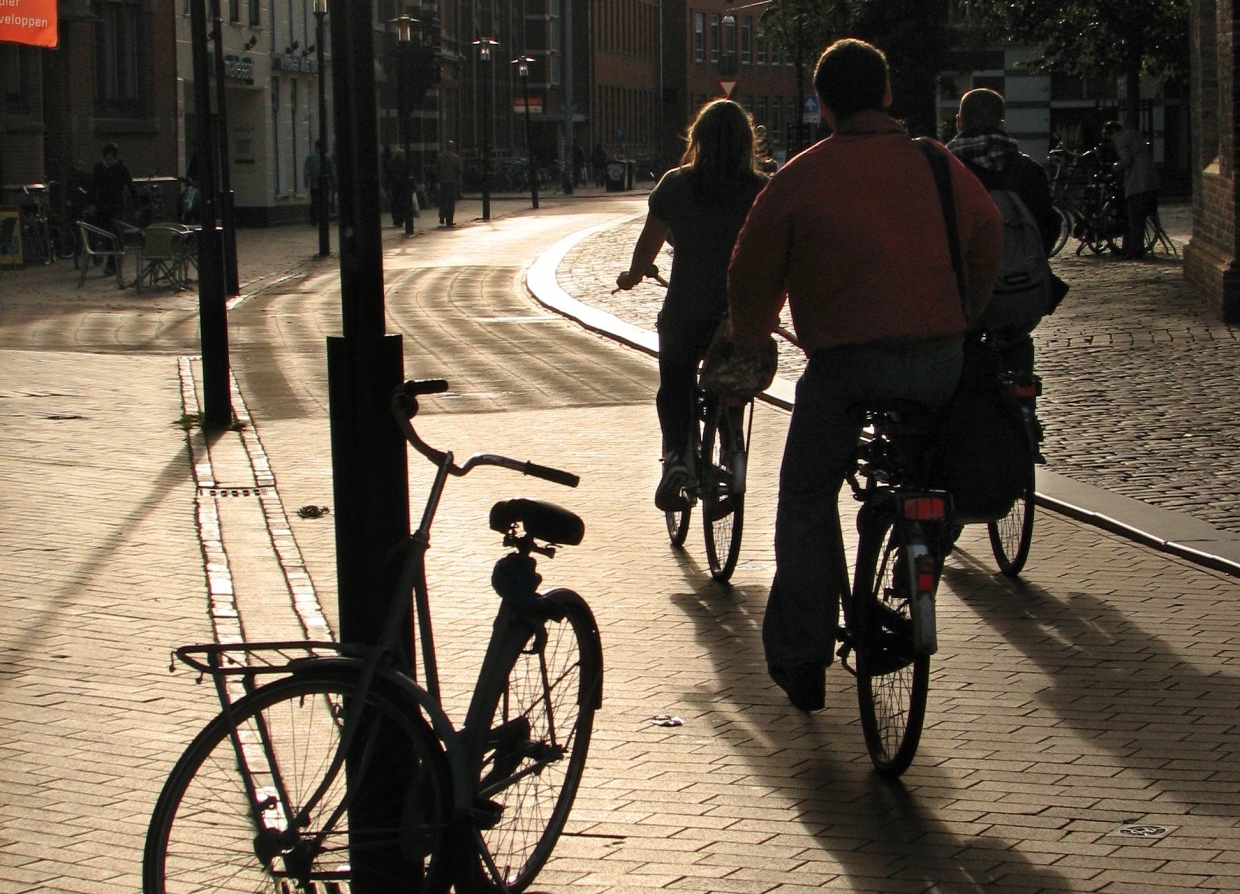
(809, 110)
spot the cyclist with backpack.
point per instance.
(1026, 289)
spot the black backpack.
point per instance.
(1024, 291)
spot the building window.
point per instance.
(760, 49)
(120, 42)
(17, 67)
(699, 37)
(714, 38)
(256, 8)
(746, 39)
(234, 11)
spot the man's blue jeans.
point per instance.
(802, 613)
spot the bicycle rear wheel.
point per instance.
(723, 488)
(207, 834)
(1011, 536)
(892, 680)
(540, 701)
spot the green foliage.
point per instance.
(1093, 38)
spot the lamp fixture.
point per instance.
(484, 45)
(293, 46)
(252, 42)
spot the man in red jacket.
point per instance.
(851, 234)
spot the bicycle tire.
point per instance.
(1113, 223)
(203, 835)
(1012, 535)
(678, 524)
(540, 702)
(1065, 230)
(722, 487)
(892, 681)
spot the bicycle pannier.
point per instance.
(981, 452)
(729, 373)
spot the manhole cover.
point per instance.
(1145, 831)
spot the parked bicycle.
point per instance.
(904, 534)
(329, 764)
(1091, 207)
(45, 233)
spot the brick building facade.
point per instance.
(1210, 260)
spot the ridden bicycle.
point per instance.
(904, 534)
(719, 454)
(1012, 535)
(329, 767)
(717, 457)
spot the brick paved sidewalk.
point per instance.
(1081, 734)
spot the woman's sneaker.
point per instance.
(669, 495)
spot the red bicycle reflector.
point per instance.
(1023, 390)
(929, 508)
(925, 573)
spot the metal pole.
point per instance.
(212, 306)
(523, 72)
(369, 474)
(404, 42)
(228, 221)
(325, 204)
(569, 163)
(485, 47)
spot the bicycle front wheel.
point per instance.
(1065, 230)
(723, 488)
(892, 679)
(541, 704)
(271, 810)
(1011, 536)
(678, 524)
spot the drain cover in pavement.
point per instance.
(1145, 831)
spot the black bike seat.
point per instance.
(894, 410)
(541, 520)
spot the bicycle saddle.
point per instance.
(893, 412)
(541, 520)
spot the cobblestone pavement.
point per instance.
(1139, 379)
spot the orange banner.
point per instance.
(32, 22)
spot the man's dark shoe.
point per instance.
(805, 683)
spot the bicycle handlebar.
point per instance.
(404, 403)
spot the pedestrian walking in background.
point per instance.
(598, 164)
(316, 165)
(1135, 163)
(700, 206)
(398, 188)
(110, 185)
(451, 171)
(851, 234)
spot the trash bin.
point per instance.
(615, 176)
(630, 170)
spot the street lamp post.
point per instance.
(404, 36)
(523, 73)
(486, 47)
(325, 204)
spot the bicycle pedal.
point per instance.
(486, 814)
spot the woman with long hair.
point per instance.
(697, 207)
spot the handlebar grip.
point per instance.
(425, 386)
(549, 474)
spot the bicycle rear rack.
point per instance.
(258, 658)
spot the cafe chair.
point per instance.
(100, 243)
